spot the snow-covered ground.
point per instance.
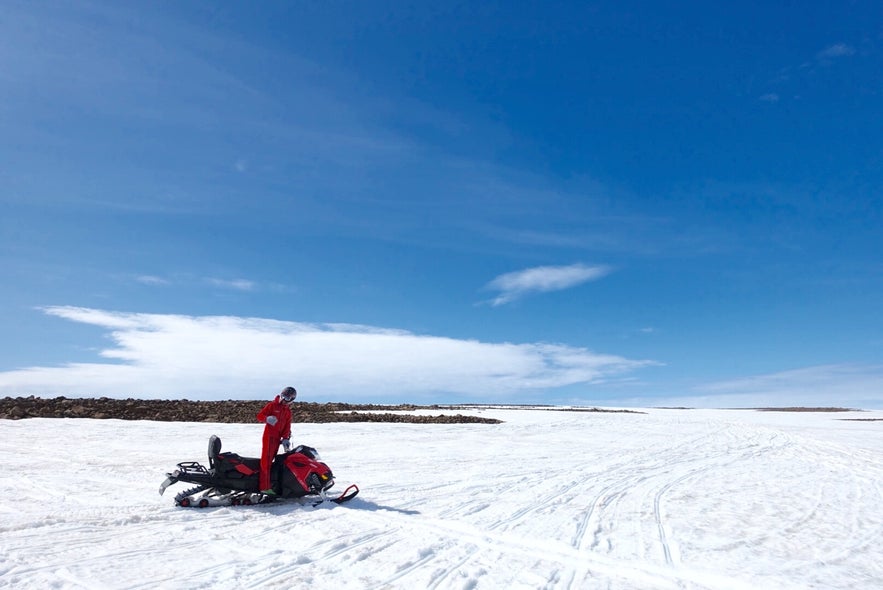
(667, 499)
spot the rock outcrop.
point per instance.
(230, 411)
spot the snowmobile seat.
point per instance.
(231, 462)
(214, 449)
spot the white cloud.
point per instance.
(770, 97)
(221, 357)
(542, 279)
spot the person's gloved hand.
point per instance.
(271, 420)
(286, 444)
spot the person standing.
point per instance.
(276, 416)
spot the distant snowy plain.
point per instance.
(689, 499)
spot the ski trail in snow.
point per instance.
(641, 486)
(627, 477)
(562, 554)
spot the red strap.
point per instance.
(244, 469)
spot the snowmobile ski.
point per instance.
(348, 494)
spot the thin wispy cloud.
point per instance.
(219, 357)
(808, 69)
(837, 385)
(245, 285)
(835, 51)
(235, 284)
(152, 280)
(542, 279)
(314, 124)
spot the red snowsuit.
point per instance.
(273, 435)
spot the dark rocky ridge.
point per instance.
(230, 411)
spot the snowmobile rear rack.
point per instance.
(192, 467)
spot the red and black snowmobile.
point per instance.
(231, 480)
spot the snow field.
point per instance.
(550, 499)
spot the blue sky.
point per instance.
(612, 203)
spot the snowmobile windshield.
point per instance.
(308, 451)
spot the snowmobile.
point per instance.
(231, 480)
